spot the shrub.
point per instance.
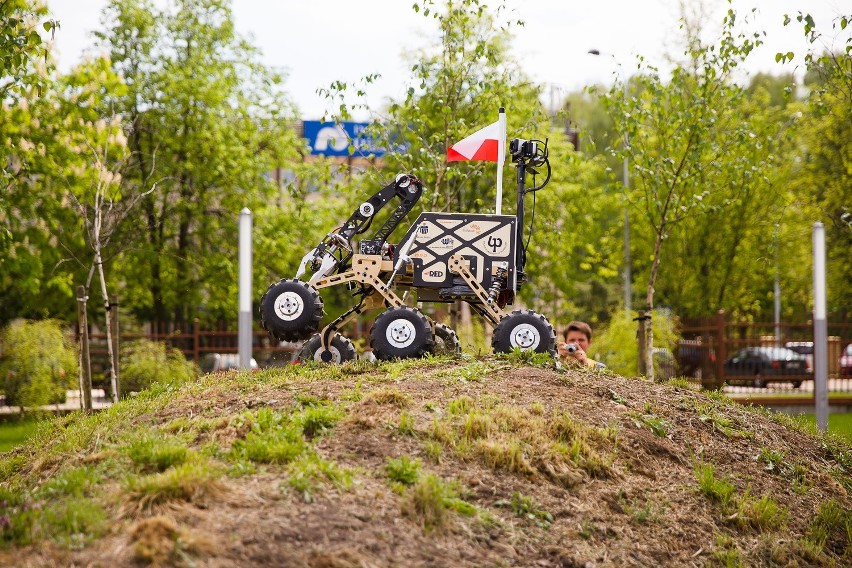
(616, 344)
(37, 362)
(144, 363)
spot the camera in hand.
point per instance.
(571, 348)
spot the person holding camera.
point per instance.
(578, 338)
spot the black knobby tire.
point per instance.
(525, 329)
(401, 333)
(446, 340)
(340, 350)
(291, 310)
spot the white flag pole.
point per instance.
(501, 157)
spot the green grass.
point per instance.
(15, 433)
(840, 424)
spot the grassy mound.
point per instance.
(503, 461)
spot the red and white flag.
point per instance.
(483, 145)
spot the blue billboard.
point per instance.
(334, 139)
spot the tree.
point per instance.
(207, 121)
(23, 68)
(726, 257)
(456, 86)
(826, 171)
(21, 45)
(38, 363)
(688, 142)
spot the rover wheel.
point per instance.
(446, 340)
(291, 310)
(340, 350)
(525, 329)
(401, 333)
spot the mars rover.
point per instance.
(443, 257)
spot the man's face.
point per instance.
(579, 338)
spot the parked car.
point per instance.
(805, 348)
(213, 362)
(846, 361)
(759, 365)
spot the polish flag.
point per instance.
(483, 145)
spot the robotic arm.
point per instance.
(335, 250)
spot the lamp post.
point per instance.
(628, 288)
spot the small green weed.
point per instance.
(273, 446)
(354, 395)
(614, 396)
(475, 371)
(406, 425)
(525, 507)
(680, 383)
(434, 450)
(307, 472)
(718, 490)
(801, 480)
(10, 465)
(460, 405)
(430, 498)
(403, 469)
(189, 482)
(315, 420)
(707, 413)
(831, 528)
(726, 553)
(565, 428)
(74, 522)
(641, 513)
(654, 423)
(478, 425)
(587, 529)
(774, 461)
(528, 357)
(761, 514)
(71, 482)
(309, 400)
(153, 452)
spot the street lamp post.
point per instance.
(628, 287)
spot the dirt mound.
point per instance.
(444, 462)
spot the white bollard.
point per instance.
(245, 321)
(820, 330)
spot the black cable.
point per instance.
(532, 222)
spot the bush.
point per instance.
(616, 345)
(144, 363)
(38, 363)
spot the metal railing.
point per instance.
(749, 359)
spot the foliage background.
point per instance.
(198, 128)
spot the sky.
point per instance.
(316, 42)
